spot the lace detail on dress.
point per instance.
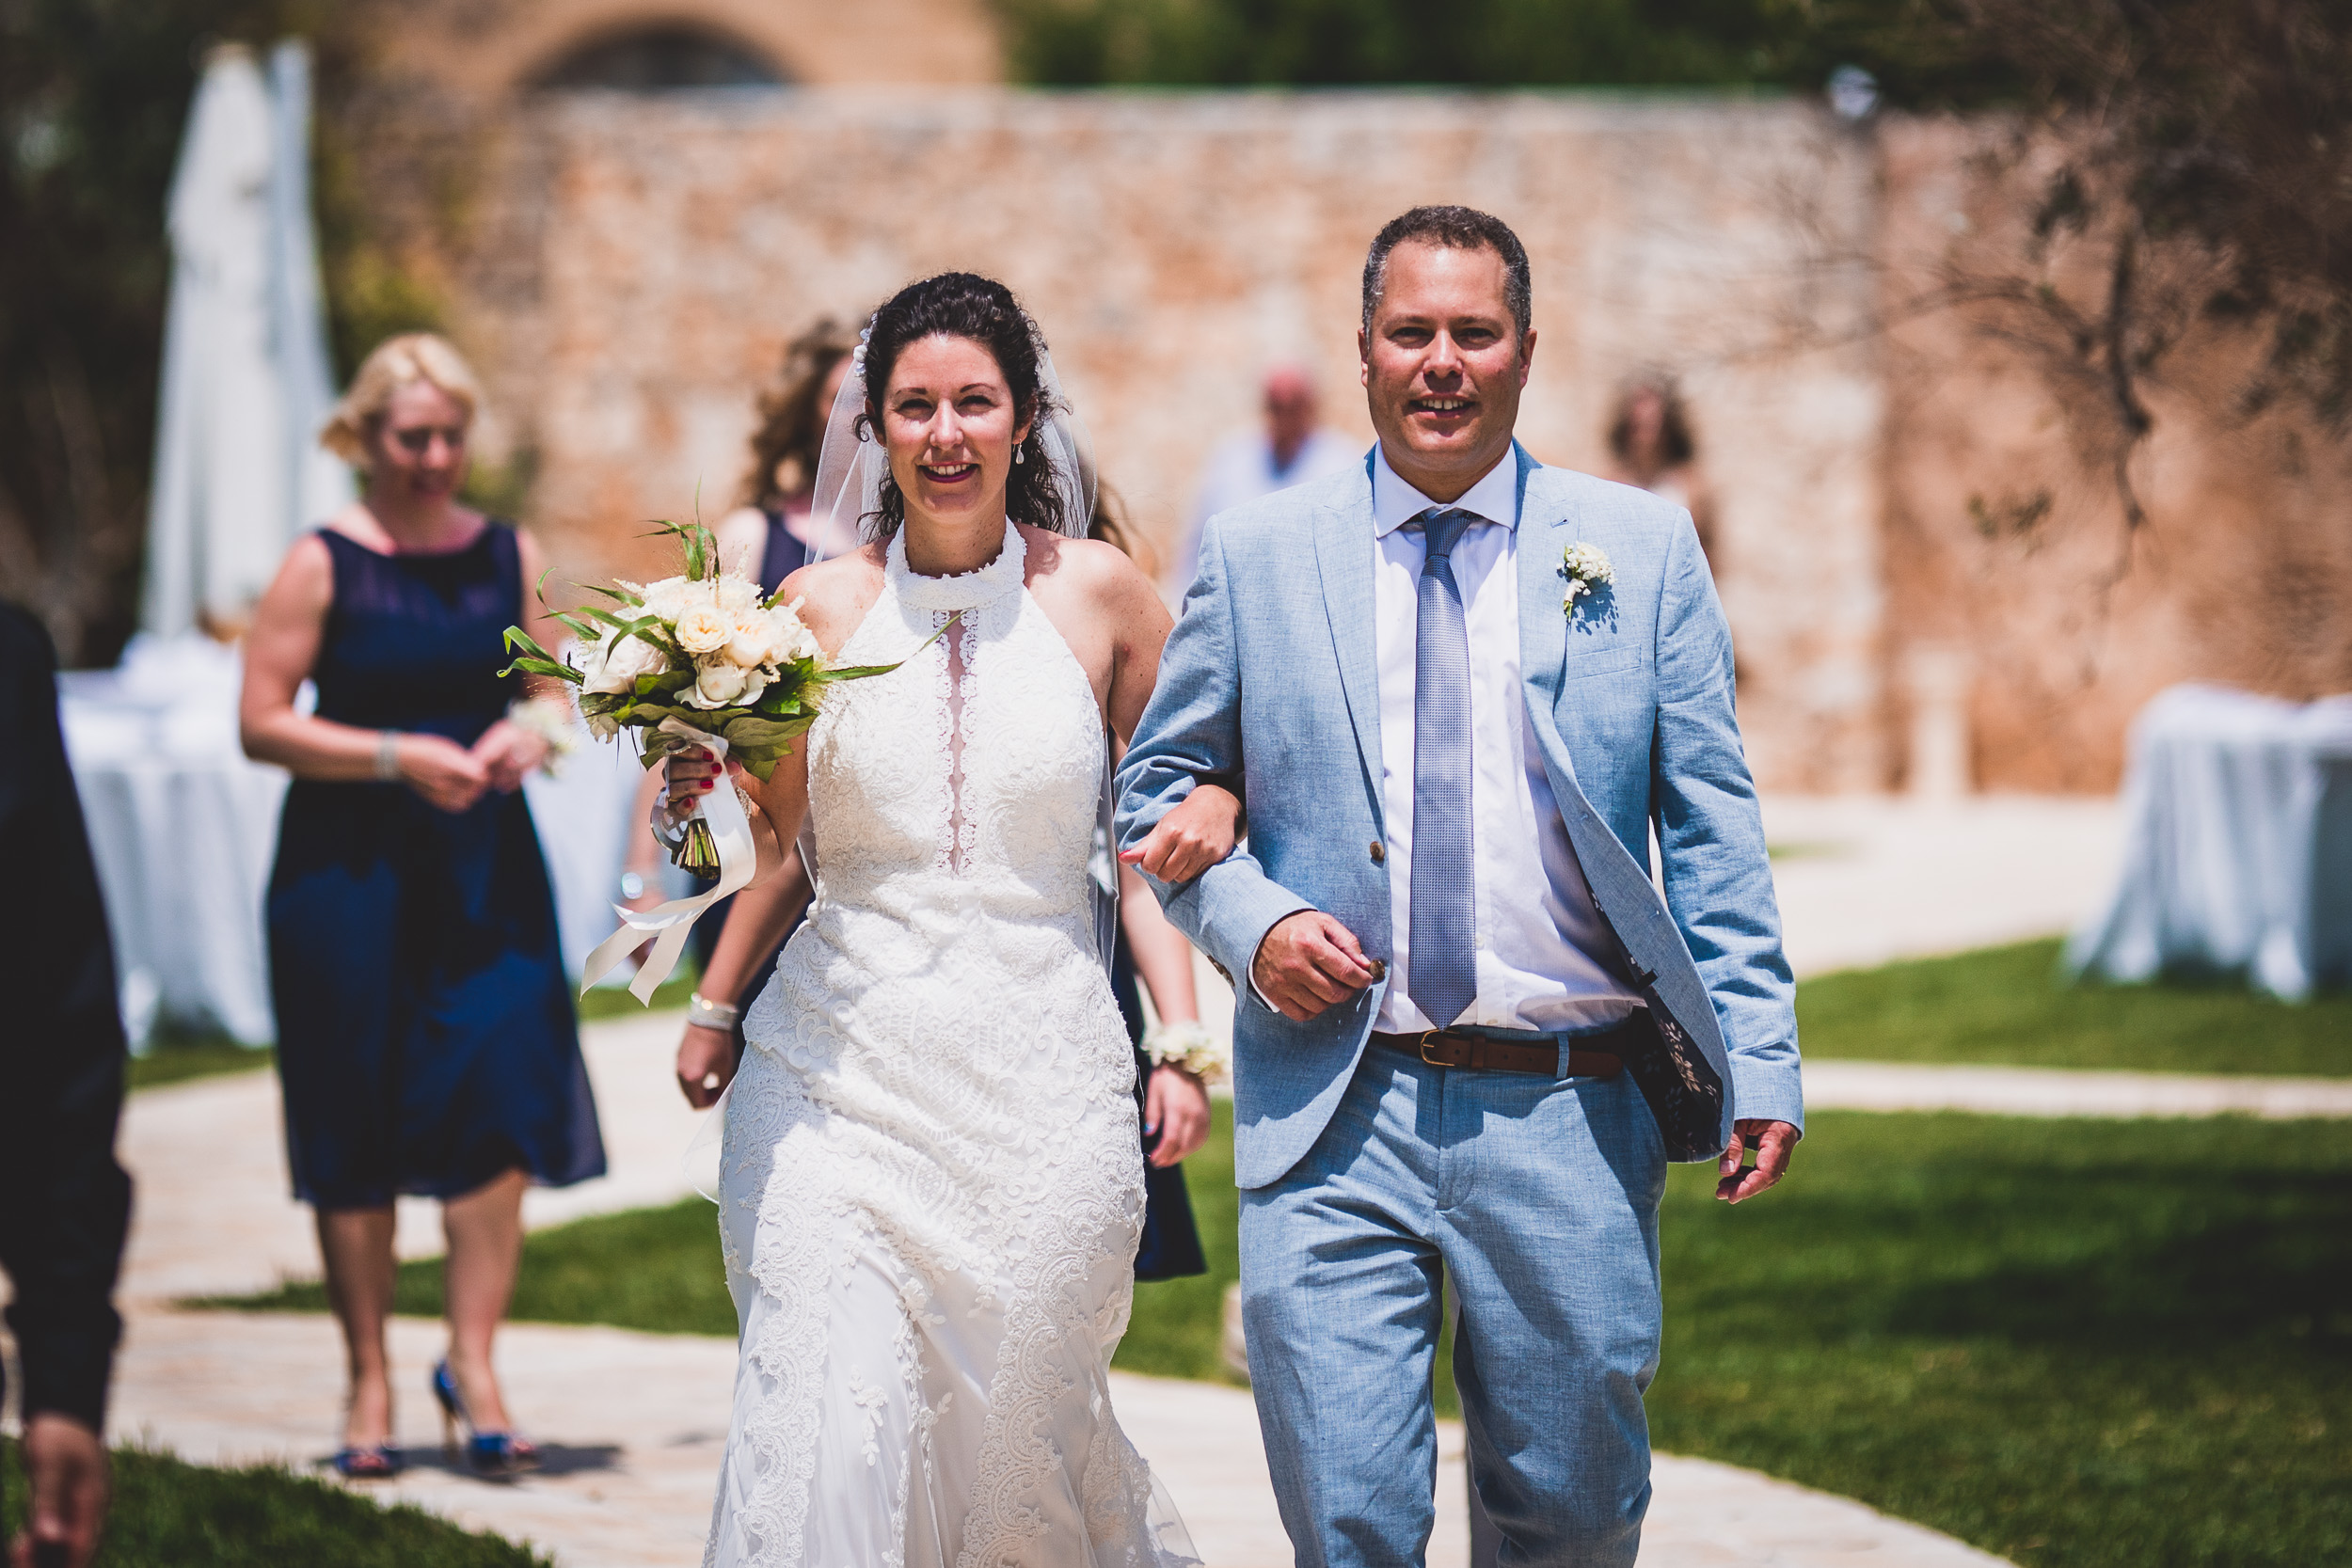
(931, 1190)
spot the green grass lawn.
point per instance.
(2090, 1344)
(2078, 1344)
(169, 1514)
(2008, 1005)
(178, 1055)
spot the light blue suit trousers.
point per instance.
(1367, 1175)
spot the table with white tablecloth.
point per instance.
(2239, 845)
(184, 827)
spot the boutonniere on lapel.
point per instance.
(1587, 569)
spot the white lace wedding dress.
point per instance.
(930, 1187)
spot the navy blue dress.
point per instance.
(1170, 1247)
(425, 1032)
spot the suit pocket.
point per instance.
(1600, 661)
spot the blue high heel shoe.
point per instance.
(381, 1463)
(491, 1453)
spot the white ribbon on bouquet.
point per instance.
(668, 924)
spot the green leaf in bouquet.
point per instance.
(584, 630)
(749, 732)
(536, 661)
(702, 546)
(866, 672)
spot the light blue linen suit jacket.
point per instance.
(1269, 685)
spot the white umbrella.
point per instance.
(245, 386)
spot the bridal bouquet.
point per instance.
(690, 660)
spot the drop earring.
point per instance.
(1020, 454)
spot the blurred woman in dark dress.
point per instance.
(768, 538)
(425, 1032)
(1173, 1099)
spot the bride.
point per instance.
(930, 1193)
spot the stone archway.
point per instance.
(658, 55)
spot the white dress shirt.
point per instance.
(1540, 936)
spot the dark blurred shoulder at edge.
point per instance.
(64, 1201)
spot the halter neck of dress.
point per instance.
(965, 590)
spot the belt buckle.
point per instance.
(1434, 1038)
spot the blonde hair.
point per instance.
(396, 362)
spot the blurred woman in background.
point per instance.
(425, 1032)
(1175, 1102)
(1651, 446)
(769, 537)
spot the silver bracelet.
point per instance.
(707, 1014)
(388, 756)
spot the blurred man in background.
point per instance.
(64, 1202)
(1290, 449)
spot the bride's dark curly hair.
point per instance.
(965, 305)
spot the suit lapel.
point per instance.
(1343, 556)
(1543, 525)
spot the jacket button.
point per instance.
(1379, 851)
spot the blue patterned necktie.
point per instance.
(1443, 979)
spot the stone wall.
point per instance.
(641, 261)
(1920, 541)
(2011, 572)
(485, 49)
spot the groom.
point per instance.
(1468, 1034)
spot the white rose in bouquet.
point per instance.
(737, 593)
(752, 640)
(702, 629)
(793, 640)
(613, 664)
(667, 598)
(717, 683)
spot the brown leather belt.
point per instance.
(1593, 1058)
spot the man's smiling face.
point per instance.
(1444, 364)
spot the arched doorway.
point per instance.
(660, 57)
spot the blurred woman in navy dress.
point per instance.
(425, 1034)
(768, 538)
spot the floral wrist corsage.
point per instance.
(1191, 1047)
(550, 720)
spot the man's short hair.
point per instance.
(1456, 229)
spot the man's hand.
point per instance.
(66, 1465)
(1773, 1141)
(705, 1065)
(1308, 962)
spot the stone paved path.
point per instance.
(633, 1422)
(1865, 879)
(2020, 1091)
